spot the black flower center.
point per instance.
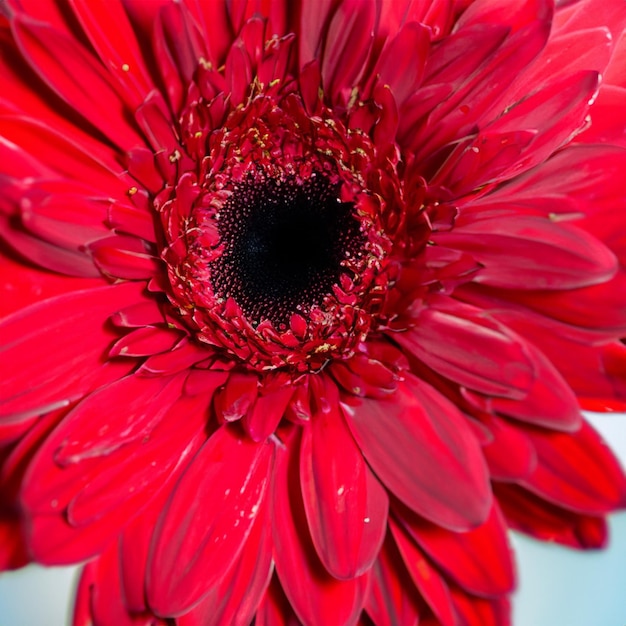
(284, 243)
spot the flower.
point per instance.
(304, 300)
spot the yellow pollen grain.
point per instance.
(354, 96)
(325, 347)
(175, 156)
(563, 217)
(132, 191)
(275, 82)
(198, 134)
(125, 67)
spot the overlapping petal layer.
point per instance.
(301, 301)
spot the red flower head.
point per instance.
(304, 299)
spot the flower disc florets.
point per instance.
(275, 241)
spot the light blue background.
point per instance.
(558, 587)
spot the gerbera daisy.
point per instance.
(304, 300)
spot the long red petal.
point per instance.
(67, 68)
(316, 597)
(424, 451)
(111, 34)
(427, 579)
(207, 520)
(527, 252)
(100, 599)
(392, 601)
(479, 560)
(467, 346)
(235, 599)
(52, 352)
(530, 514)
(345, 505)
(577, 471)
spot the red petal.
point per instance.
(608, 124)
(348, 42)
(424, 451)
(485, 158)
(532, 515)
(113, 416)
(581, 179)
(500, 58)
(510, 455)
(427, 579)
(234, 400)
(474, 611)
(131, 220)
(71, 156)
(134, 548)
(23, 285)
(364, 376)
(464, 53)
(235, 599)
(53, 351)
(467, 346)
(125, 257)
(68, 220)
(595, 372)
(313, 20)
(315, 596)
(569, 52)
(100, 599)
(515, 13)
(213, 19)
(275, 609)
(345, 505)
(591, 14)
(47, 255)
(401, 63)
(145, 341)
(268, 410)
(73, 510)
(183, 356)
(143, 313)
(479, 560)
(527, 252)
(149, 462)
(13, 550)
(577, 471)
(67, 68)
(436, 14)
(207, 520)
(598, 308)
(556, 111)
(392, 599)
(550, 401)
(110, 32)
(238, 72)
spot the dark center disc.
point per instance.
(283, 246)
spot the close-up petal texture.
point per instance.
(301, 301)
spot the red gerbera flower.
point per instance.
(305, 300)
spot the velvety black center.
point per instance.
(283, 246)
